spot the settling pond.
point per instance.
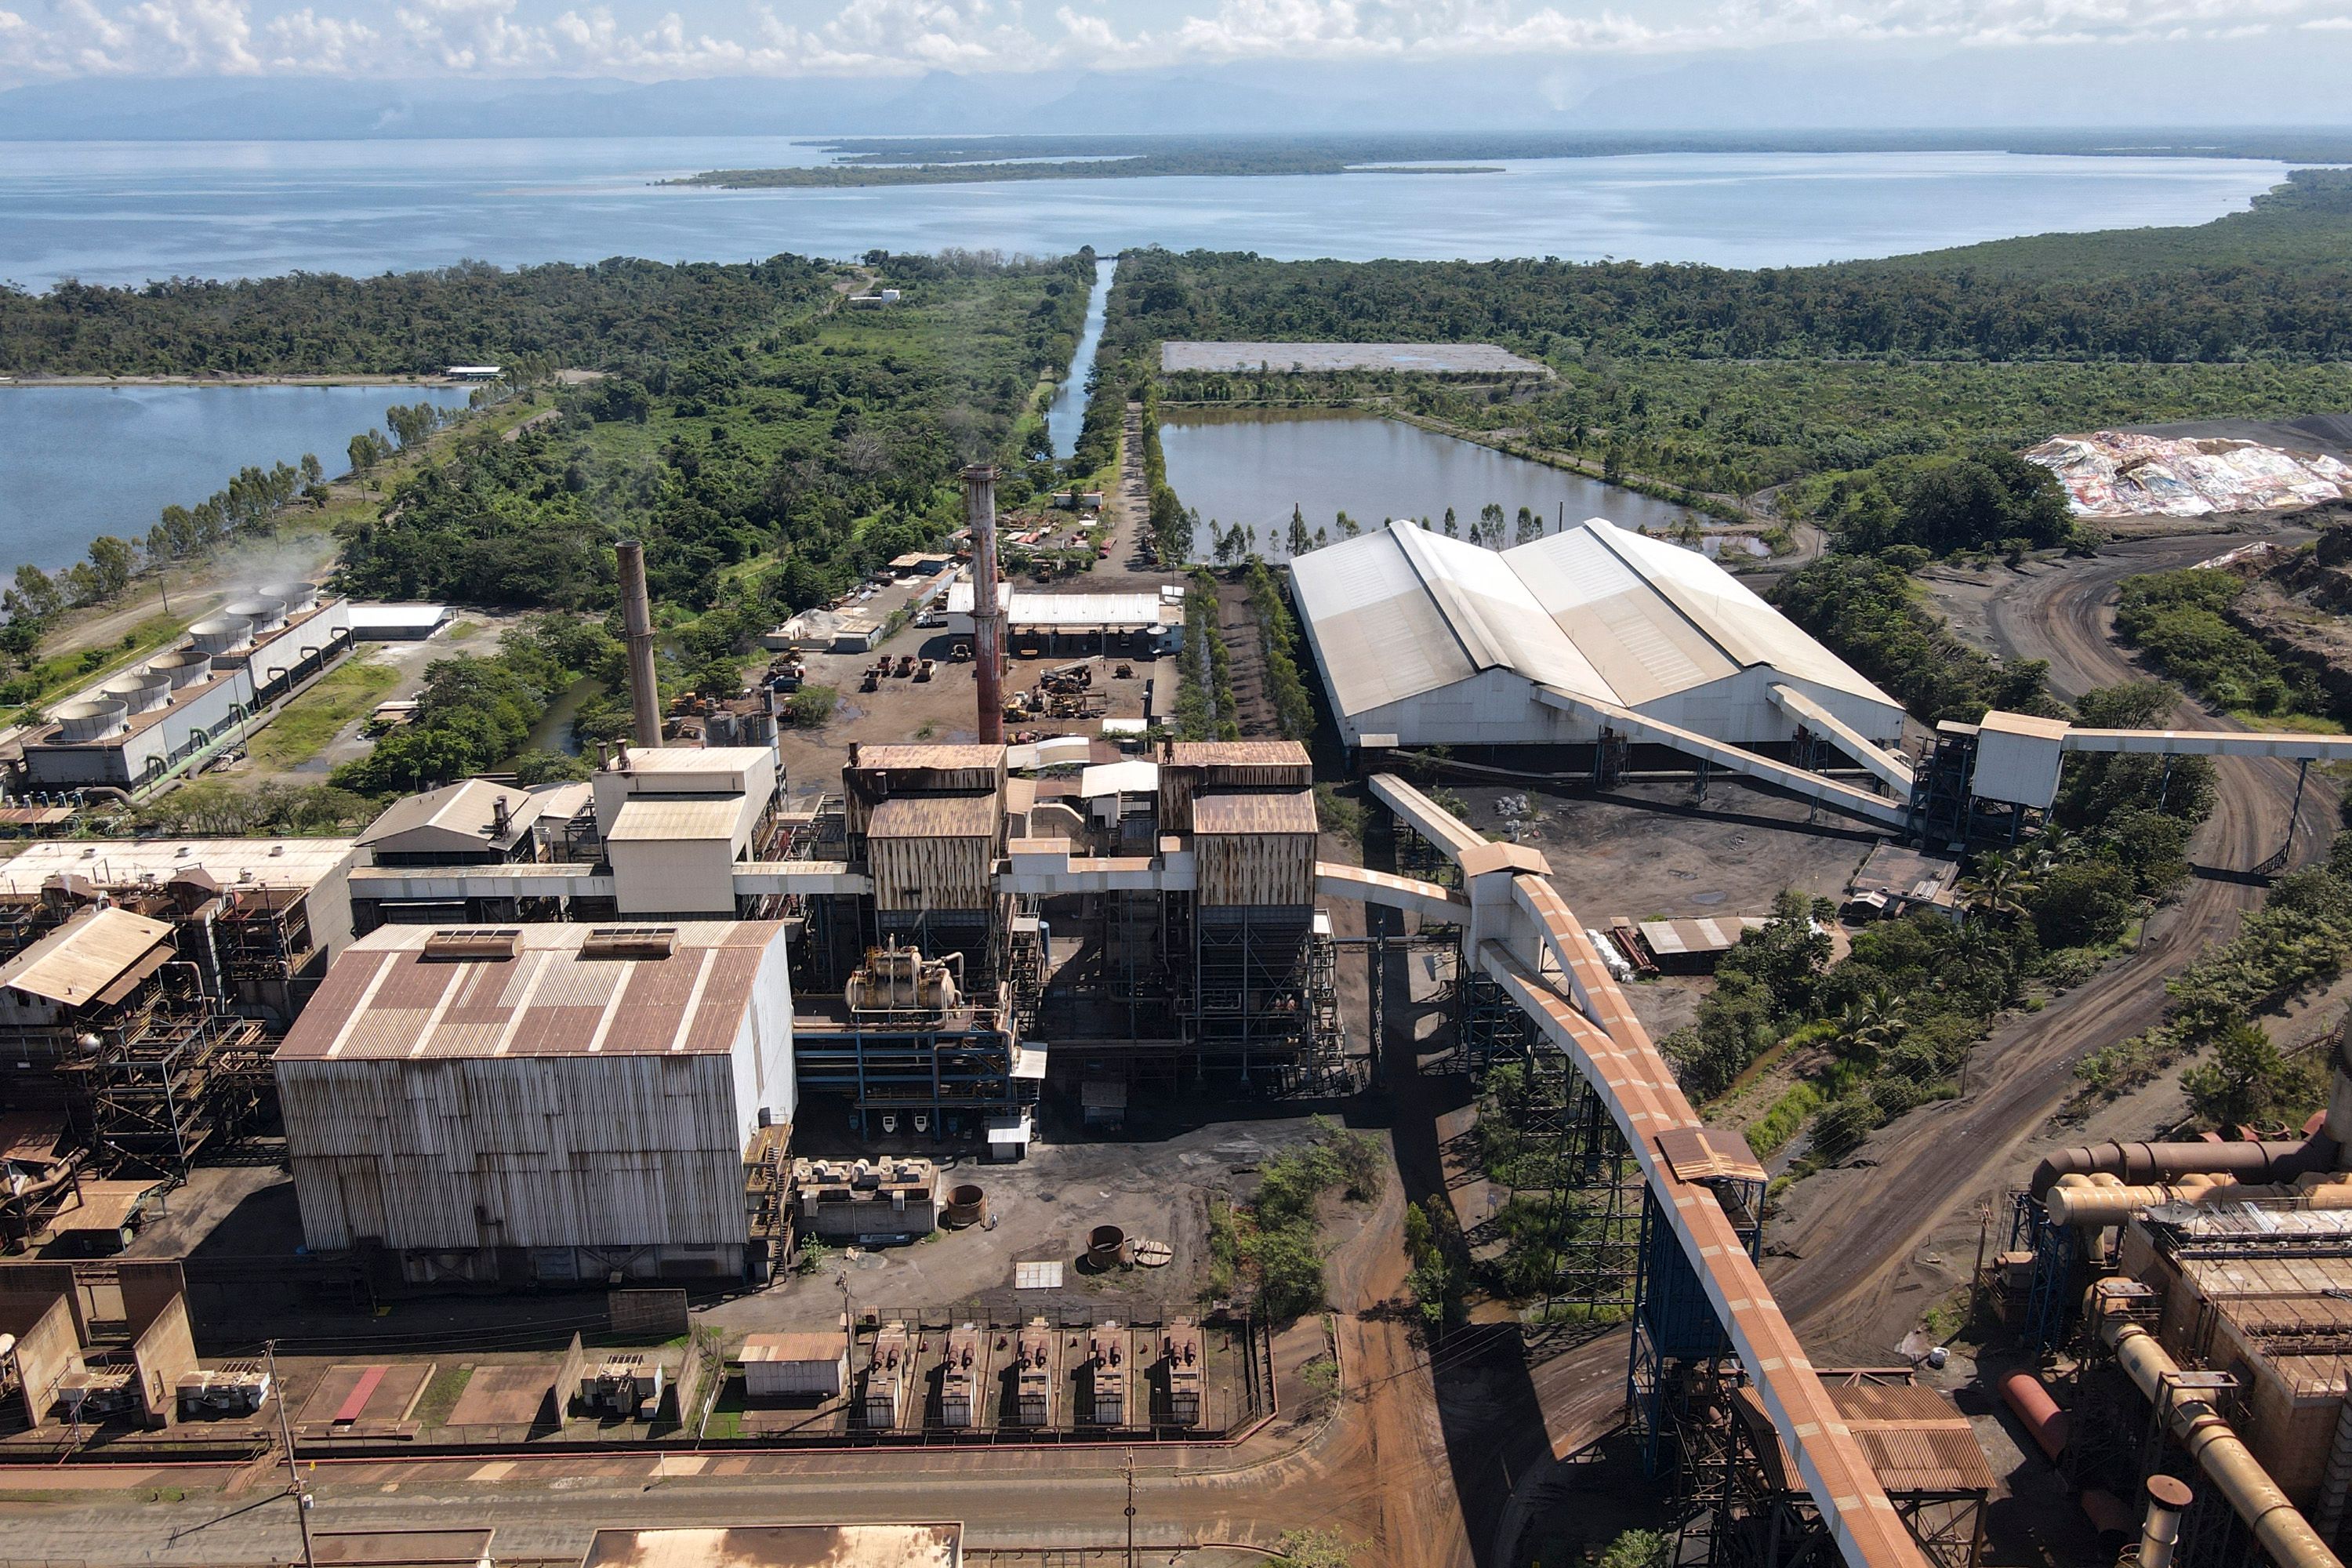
(1247, 469)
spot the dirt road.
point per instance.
(1852, 1280)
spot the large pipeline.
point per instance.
(2276, 1523)
(987, 615)
(2093, 1206)
(637, 622)
(2145, 1165)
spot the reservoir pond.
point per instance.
(1247, 469)
(80, 461)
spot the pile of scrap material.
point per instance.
(2121, 473)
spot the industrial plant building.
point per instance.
(1424, 640)
(152, 724)
(547, 1103)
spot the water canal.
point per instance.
(1066, 415)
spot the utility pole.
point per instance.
(293, 1471)
(1130, 1508)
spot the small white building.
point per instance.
(539, 1102)
(677, 820)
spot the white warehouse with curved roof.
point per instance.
(1424, 640)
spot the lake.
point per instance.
(80, 461)
(128, 212)
(1248, 470)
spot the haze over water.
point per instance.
(131, 212)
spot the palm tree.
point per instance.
(1870, 1024)
(1998, 887)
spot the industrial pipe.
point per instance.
(987, 614)
(2276, 1523)
(638, 623)
(2159, 1530)
(2140, 1164)
(2093, 1206)
(2032, 1403)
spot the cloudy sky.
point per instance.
(647, 39)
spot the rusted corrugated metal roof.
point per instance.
(383, 998)
(1237, 755)
(943, 756)
(84, 956)
(1914, 1438)
(1255, 810)
(935, 816)
(780, 1546)
(811, 1345)
(675, 818)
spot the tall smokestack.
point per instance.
(987, 614)
(637, 621)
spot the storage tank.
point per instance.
(299, 598)
(95, 720)
(222, 634)
(141, 691)
(185, 667)
(266, 613)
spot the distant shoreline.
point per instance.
(9, 381)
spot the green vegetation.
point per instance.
(1867, 607)
(1315, 1549)
(1639, 1548)
(306, 724)
(1204, 696)
(217, 808)
(1279, 640)
(768, 469)
(1275, 1242)
(2268, 283)
(1950, 503)
(2175, 618)
(475, 713)
(2248, 1082)
(2300, 937)
(608, 315)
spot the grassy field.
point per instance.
(304, 726)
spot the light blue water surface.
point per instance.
(130, 212)
(80, 461)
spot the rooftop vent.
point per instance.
(450, 946)
(630, 941)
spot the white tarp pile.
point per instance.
(2121, 473)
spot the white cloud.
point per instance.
(497, 38)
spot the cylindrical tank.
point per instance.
(266, 613)
(141, 691)
(93, 720)
(2039, 1412)
(185, 667)
(967, 1205)
(222, 634)
(298, 597)
(1107, 1247)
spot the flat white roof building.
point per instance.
(1435, 641)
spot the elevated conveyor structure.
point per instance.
(1873, 808)
(1524, 936)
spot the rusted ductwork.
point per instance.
(2276, 1523)
(2093, 1202)
(2146, 1164)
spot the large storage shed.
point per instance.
(549, 1102)
(1424, 640)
